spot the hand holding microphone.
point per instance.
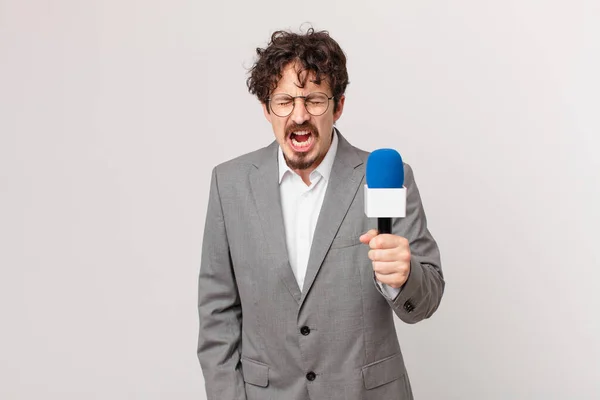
(385, 198)
(390, 255)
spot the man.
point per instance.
(296, 288)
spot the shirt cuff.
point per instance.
(389, 292)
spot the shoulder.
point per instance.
(363, 155)
(245, 163)
(235, 176)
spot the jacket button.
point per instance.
(305, 330)
(311, 376)
(408, 306)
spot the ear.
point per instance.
(266, 112)
(340, 108)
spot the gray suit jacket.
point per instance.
(261, 337)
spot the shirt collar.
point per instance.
(324, 168)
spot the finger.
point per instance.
(394, 280)
(395, 254)
(368, 236)
(388, 241)
(387, 268)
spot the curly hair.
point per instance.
(314, 52)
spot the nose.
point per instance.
(300, 115)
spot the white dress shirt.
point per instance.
(301, 205)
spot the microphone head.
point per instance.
(385, 170)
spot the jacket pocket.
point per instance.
(383, 371)
(255, 373)
(347, 241)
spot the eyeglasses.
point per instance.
(316, 103)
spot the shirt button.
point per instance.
(305, 330)
(311, 376)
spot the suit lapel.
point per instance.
(264, 182)
(344, 182)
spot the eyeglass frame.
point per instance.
(304, 103)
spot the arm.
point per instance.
(219, 309)
(408, 258)
(422, 293)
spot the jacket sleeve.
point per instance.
(421, 294)
(219, 309)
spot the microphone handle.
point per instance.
(384, 225)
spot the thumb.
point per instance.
(366, 237)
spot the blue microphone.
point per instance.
(385, 194)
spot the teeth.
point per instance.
(302, 144)
(301, 133)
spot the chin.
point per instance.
(300, 163)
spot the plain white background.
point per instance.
(112, 114)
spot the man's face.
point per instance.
(304, 138)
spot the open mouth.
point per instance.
(301, 140)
